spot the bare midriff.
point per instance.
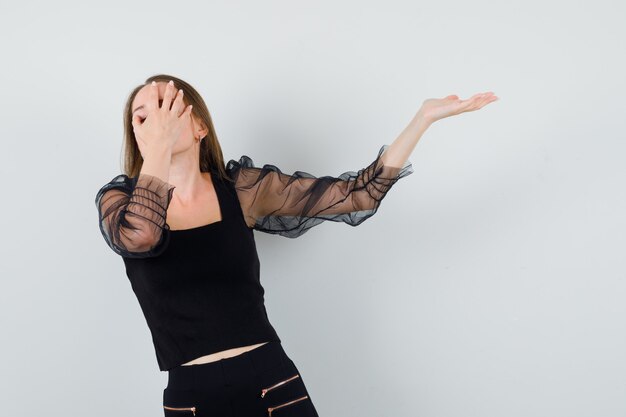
(229, 353)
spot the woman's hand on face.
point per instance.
(162, 125)
(434, 109)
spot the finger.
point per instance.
(178, 103)
(153, 97)
(470, 100)
(484, 100)
(475, 99)
(187, 111)
(137, 125)
(487, 100)
(136, 122)
(470, 104)
(167, 97)
(465, 104)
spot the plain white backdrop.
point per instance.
(492, 280)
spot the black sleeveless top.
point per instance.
(203, 293)
(199, 288)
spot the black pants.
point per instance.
(262, 382)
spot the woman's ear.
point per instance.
(199, 128)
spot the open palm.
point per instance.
(434, 109)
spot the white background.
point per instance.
(491, 282)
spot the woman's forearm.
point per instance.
(157, 162)
(401, 148)
(432, 109)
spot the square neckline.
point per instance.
(220, 203)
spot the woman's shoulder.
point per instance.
(244, 161)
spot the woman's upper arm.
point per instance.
(289, 205)
(132, 215)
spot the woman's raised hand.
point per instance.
(434, 109)
(162, 125)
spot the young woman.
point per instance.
(183, 223)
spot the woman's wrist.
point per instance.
(420, 122)
(158, 151)
(156, 161)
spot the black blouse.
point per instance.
(199, 288)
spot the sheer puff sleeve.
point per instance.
(132, 215)
(289, 205)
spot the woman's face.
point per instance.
(186, 140)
